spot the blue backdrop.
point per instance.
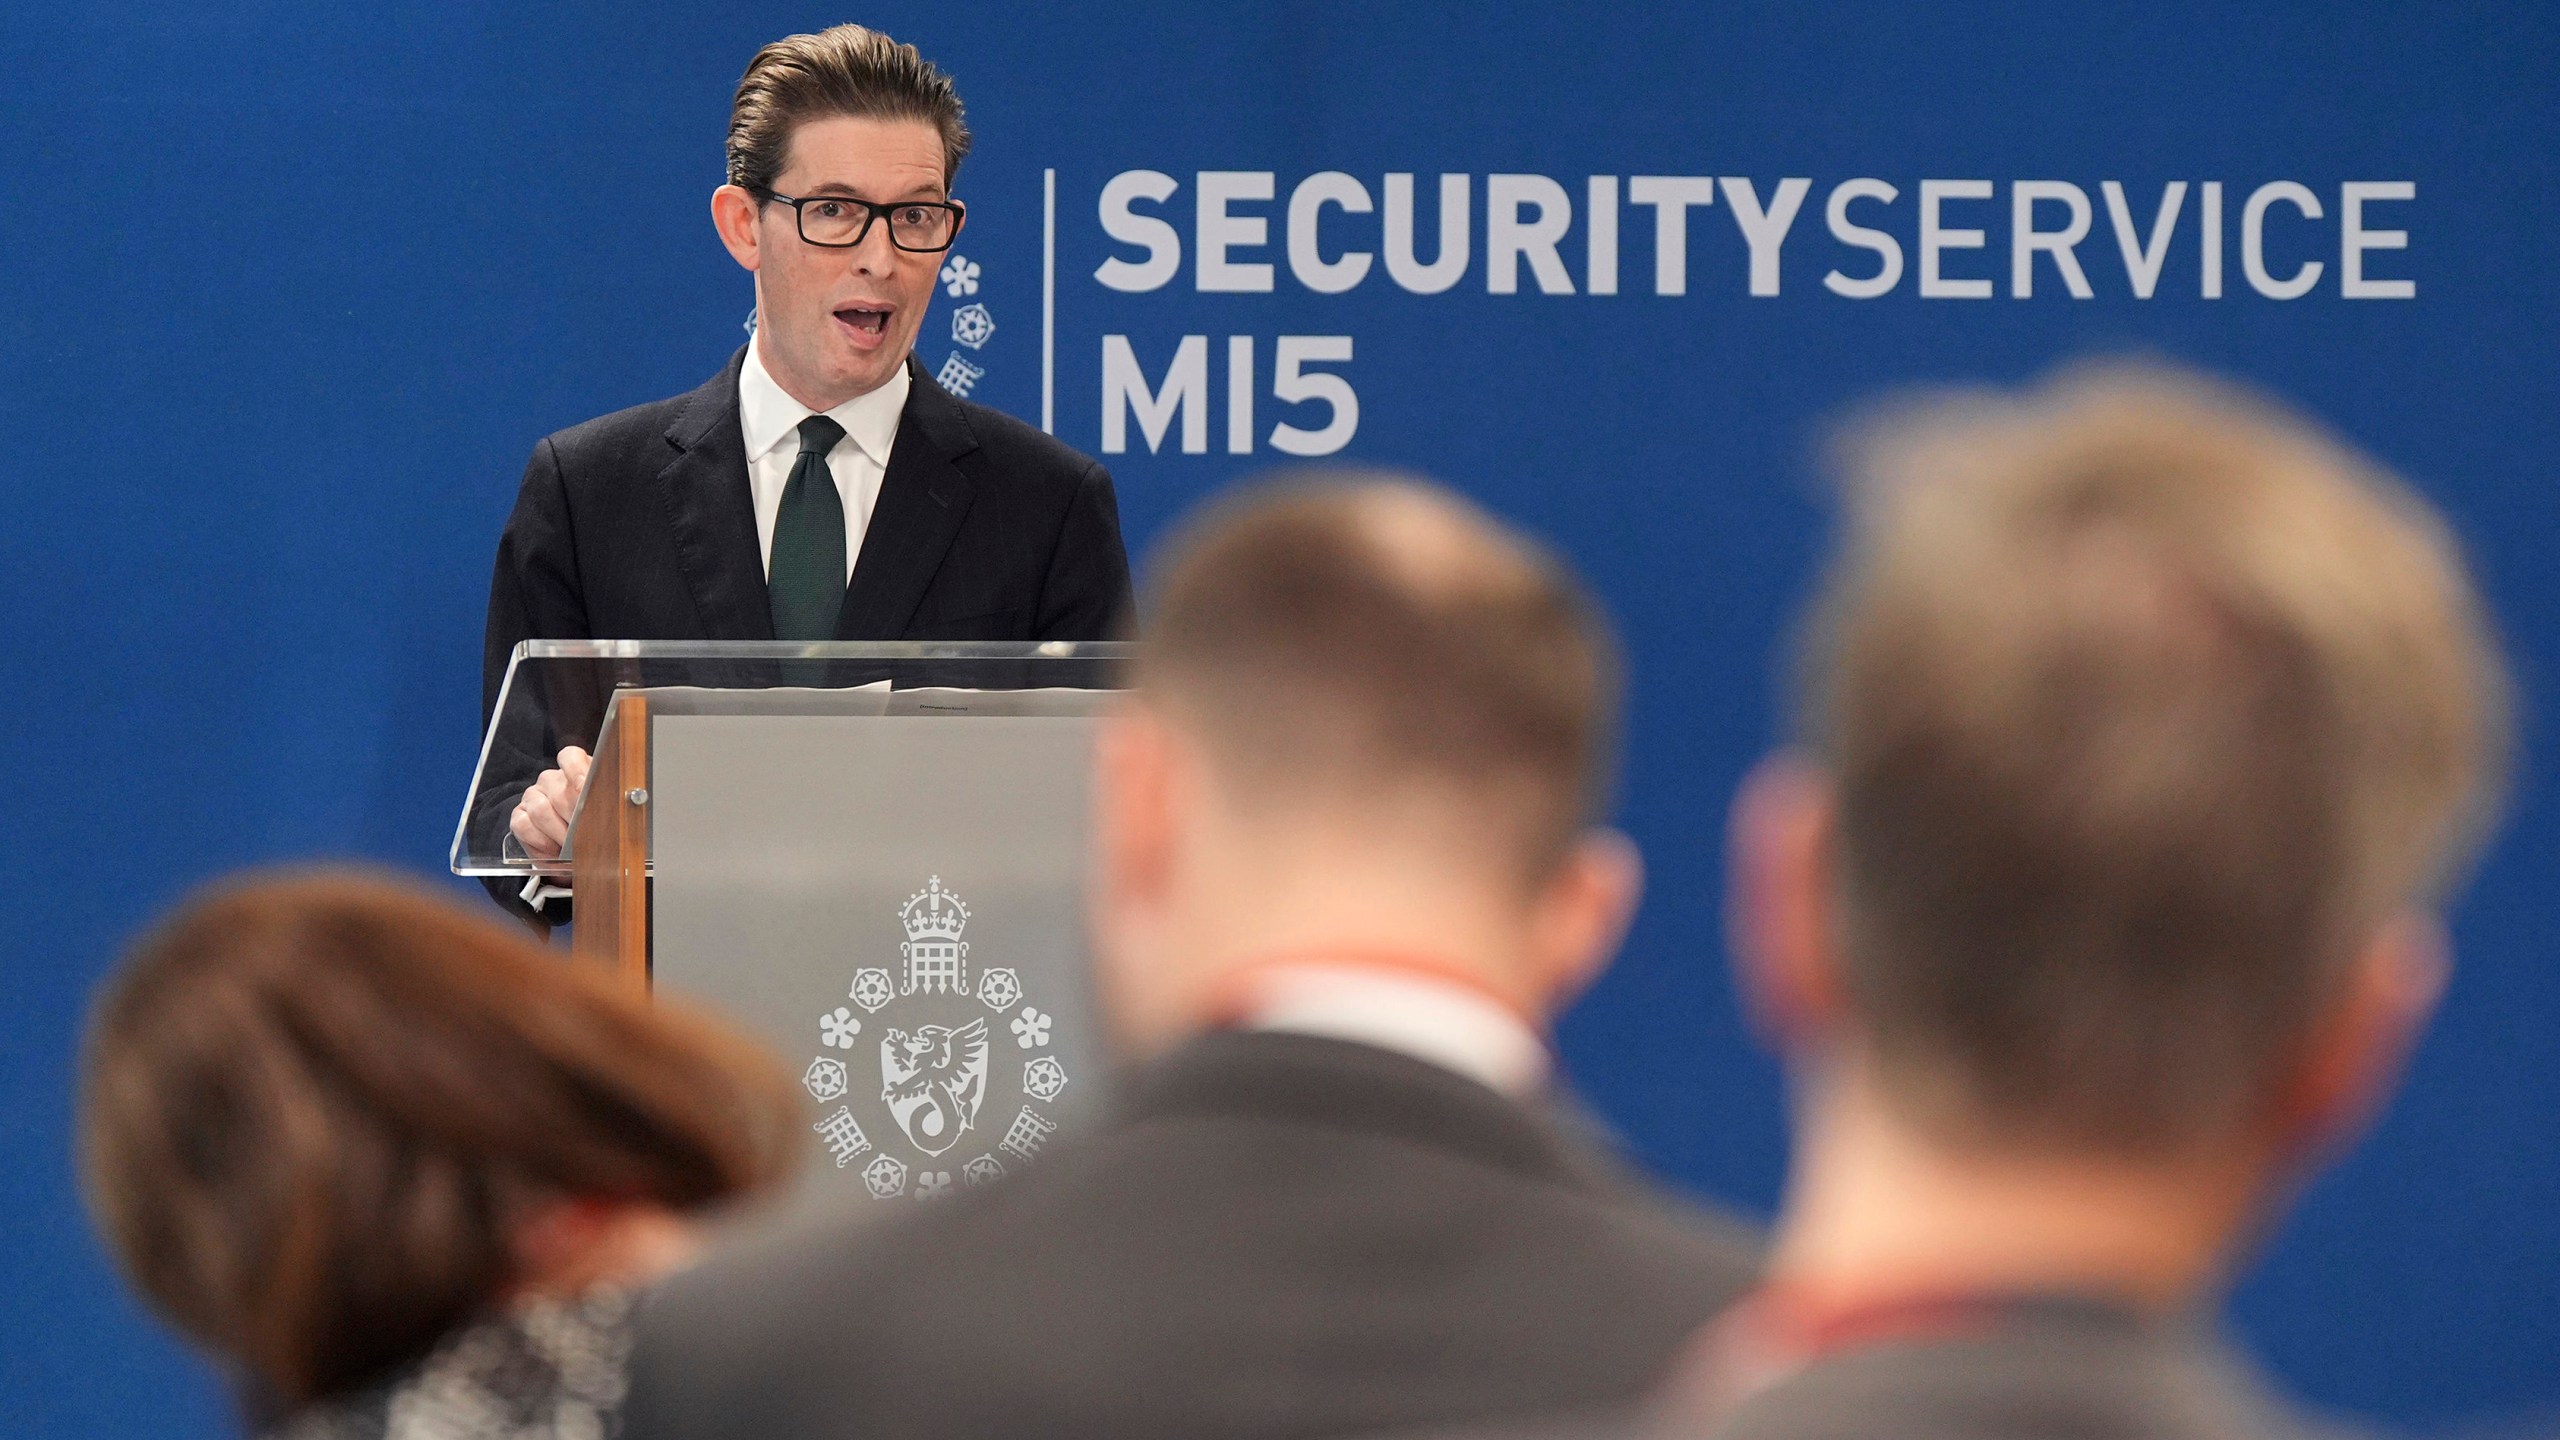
(287, 292)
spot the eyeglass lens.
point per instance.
(841, 222)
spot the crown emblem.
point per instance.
(950, 1040)
(936, 956)
(934, 913)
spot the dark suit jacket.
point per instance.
(1278, 1235)
(641, 526)
(2063, 1370)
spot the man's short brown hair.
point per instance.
(2146, 704)
(844, 70)
(1352, 634)
(313, 1109)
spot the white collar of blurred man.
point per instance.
(1372, 919)
(1412, 1005)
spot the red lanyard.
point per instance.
(1775, 1332)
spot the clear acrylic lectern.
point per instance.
(870, 855)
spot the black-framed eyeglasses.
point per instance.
(841, 222)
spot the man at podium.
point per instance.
(820, 486)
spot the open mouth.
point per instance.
(864, 321)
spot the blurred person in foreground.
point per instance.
(397, 1168)
(1348, 868)
(2143, 730)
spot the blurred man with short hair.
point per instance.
(1348, 869)
(2143, 731)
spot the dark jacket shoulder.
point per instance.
(634, 444)
(638, 426)
(2069, 1372)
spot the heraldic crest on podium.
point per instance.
(957, 1049)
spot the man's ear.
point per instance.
(1133, 805)
(734, 212)
(1582, 915)
(1778, 919)
(2352, 1060)
(1138, 819)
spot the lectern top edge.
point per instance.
(558, 693)
(959, 650)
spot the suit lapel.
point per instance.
(924, 496)
(714, 512)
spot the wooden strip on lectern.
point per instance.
(609, 854)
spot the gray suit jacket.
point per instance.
(1278, 1235)
(2052, 1370)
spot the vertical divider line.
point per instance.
(1048, 300)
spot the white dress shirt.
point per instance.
(1438, 1021)
(771, 419)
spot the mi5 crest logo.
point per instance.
(938, 1062)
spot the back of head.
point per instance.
(2145, 705)
(314, 1107)
(1376, 645)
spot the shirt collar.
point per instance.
(1420, 1015)
(768, 414)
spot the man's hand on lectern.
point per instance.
(541, 821)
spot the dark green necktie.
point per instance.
(805, 577)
